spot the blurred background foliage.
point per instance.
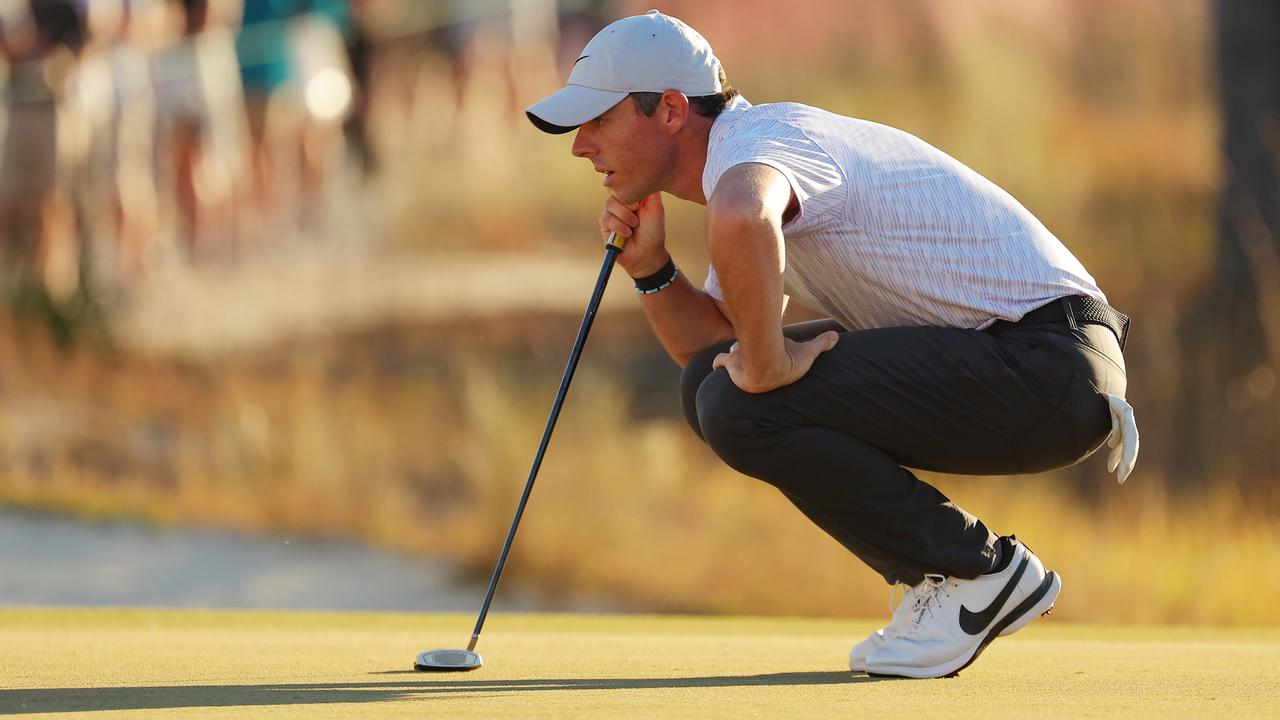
(373, 356)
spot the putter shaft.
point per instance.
(613, 246)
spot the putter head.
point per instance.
(447, 661)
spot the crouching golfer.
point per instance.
(964, 337)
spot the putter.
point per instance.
(469, 659)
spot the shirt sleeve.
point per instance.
(814, 176)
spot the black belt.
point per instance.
(1074, 310)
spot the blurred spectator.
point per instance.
(497, 49)
(200, 126)
(579, 21)
(298, 88)
(326, 84)
(116, 192)
(360, 49)
(39, 40)
(265, 67)
(137, 131)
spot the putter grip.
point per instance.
(615, 240)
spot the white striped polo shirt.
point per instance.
(892, 231)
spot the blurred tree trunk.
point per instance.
(1231, 400)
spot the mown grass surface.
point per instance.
(146, 663)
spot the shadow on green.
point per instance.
(39, 700)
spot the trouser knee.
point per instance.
(698, 369)
(695, 372)
(732, 423)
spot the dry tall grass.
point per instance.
(396, 438)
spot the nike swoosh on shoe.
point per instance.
(975, 622)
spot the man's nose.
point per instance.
(582, 146)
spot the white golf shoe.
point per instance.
(900, 623)
(951, 621)
(859, 653)
(901, 619)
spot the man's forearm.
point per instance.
(685, 319)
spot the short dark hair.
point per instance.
(708, 106)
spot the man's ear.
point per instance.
(674, 109)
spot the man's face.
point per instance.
(633, 151)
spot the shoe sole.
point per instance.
(1038, 604)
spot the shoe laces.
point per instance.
(917, 602)
(901, 610)
(928, 595)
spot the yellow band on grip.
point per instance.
(616, 240)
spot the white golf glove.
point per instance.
(1123, 440)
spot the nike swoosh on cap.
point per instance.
(584, 57)
(975, 622)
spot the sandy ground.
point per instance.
(207, 664)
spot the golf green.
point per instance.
(168, 663)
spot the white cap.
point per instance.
(643, 53)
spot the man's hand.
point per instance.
(799, 355)
(644, 226)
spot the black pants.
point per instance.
(1019, 399)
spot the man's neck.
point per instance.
(691, 159)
